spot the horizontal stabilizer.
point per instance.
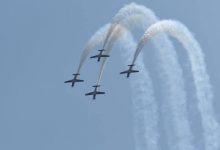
(101, 50)
(96, 86)
(131, 65)
(76, 74)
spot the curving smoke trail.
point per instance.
(125, 12)
(93, 42)
(144, 103)
(130, 16)
(120, 30)
(201, 78)
(174, 103)
(180, 137)
(128, 23)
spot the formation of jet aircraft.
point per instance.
(95, 91)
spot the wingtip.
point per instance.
(123, 72)
(66, 81)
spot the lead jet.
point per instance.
(100, 55)
(74, 80)
(129, 71)
(95, 92)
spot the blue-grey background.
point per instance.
(40, 45)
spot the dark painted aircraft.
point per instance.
(129, 71)
(74, 80)
(95, 92)
(100, 55)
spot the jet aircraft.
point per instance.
(100, 55)
(74, 80)
(95, 92)
(129, 71)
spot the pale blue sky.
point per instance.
(40, 45)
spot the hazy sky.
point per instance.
(40, 45)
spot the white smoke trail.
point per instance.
(180, 137)
(93, 42)
(120, 31)
(125, 12)
(145, 106)
(201, 78)
(129, 16)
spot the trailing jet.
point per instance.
(129, 71)
(95, 92)
(100, 55)
(74, 80)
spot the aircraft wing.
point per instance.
(100, 92)
(105, 55)
(78, 80)
(134, 71)
(68, 81)
(124, 72)
(91, 93)
(94, 56)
